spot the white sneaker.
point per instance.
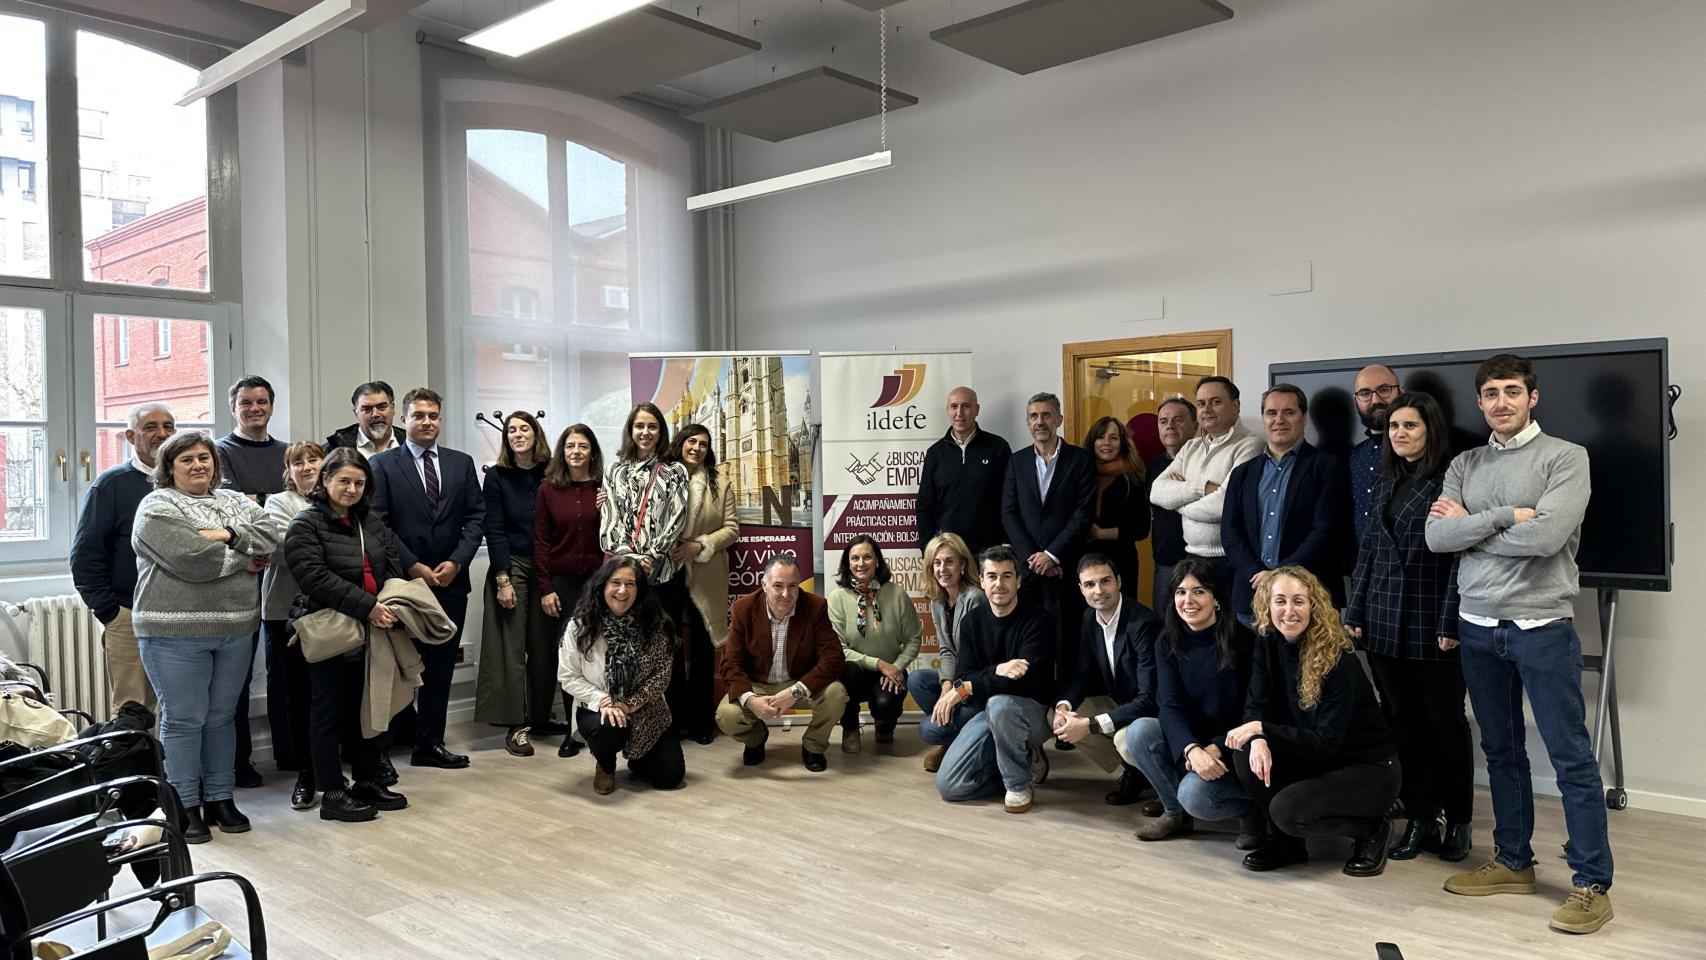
(1019, 801)
(1039, 766)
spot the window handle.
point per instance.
(88, 465)
(64, 471)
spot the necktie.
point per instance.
(431, 474)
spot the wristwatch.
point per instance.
(963, 688)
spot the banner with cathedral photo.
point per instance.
(758, 410)
(881, 412)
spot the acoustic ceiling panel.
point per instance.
(873, 4)
(378, 11)
(635, 51)
(1039, 34)
(817, 99)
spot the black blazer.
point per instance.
(1059, 522)
(1125, 505)
(1131, 683)
(1315, 522)
(1403, 595)
(961, 493)
(452, 532)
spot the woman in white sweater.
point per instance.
(198, 551)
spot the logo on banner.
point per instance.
(899, 389)
(901, 386)
(866, 472)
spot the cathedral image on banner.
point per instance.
(745, 405)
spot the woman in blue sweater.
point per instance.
(1202, 671)
(518, 651)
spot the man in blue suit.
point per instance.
(1290, 505)
(430, 498)
(1115, 682)
(1045, 510)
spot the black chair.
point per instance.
(177, 917)
(31, 777)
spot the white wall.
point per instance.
(1461, 174)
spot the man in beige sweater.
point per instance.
(1195, 485)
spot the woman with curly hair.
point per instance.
(1314, 752)
(615, 663)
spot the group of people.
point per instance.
(1235, 695)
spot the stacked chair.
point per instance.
(73, 817)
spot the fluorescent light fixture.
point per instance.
(791, 181)
(299, 31)
(545, 24)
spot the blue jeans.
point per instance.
(993, 750)
(925, 685)
(198, 680)
(1220, 799)
(1499, 663)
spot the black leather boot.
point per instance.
(1419, 835)
(1368, 854)
(225, 815)
(195, 828)
(1456, 844)
(340, 805)
(1281, 850)
(378, 797)
(1130, 790)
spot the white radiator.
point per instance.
(65, 640)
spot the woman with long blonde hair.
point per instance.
(1314, 752)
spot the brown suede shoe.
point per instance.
(933, 758)
(1164, 826)
(1585, 910)
(1490, 878)
(603, 781)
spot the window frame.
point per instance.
(70, 301)
(64, 168)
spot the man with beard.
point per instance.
(371, 432)
(103, 563)
(1376, 388)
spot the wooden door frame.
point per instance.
(1219, 341)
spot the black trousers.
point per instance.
(288, 699)
(245, 742)
(663, 766)
(863, 686)
(335, 722)
(1065, 605)
(693, 702)
(1424, 701)
(672, 596)
(1346, 801)
(569, 587)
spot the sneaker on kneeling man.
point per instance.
(1018, 801)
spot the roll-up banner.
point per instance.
(758, 410)
(881, 412)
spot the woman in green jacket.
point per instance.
(880, 633)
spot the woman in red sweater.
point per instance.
(565, 531)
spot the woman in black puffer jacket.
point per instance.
(339, 555)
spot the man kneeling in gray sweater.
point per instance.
(1513, 509)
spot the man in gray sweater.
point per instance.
(1513, 509)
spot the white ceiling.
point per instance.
(797, 35)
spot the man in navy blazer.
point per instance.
(1045, 510)
(1290, 505)
(1115, 682)
(430, 498)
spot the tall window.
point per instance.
(570, 247)
(99, 283)
(130, 130)
(23, 203)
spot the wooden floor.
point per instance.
(518, 858)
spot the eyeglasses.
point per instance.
(1386, 390)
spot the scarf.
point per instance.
(1107, 471)
(868, 605)
(622, 648)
